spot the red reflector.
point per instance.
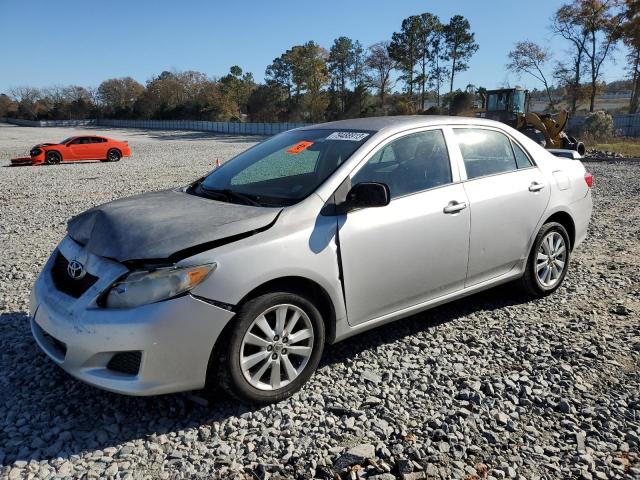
(588, 177)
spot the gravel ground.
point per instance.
(493, 386)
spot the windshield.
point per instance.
(282, 170)
(66, 140)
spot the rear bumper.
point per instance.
(581, 214)
(175, 338)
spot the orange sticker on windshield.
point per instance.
(299, 147)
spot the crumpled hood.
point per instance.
(164, 224)
(43, 145)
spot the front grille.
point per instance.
(126, 362)
(65, 283)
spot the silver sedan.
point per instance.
(237, 281)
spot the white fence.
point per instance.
(51, 123)
(232, 128)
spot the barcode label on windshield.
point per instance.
(351, 136)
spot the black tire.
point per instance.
(114, 155)
(52, 158)
(531, 282)
(225, 371)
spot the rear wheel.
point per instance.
(52, 158)
(548, 260)
(275, 345)
(114, 155)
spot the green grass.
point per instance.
(625, 147)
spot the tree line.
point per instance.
(592, 30)
(413, 72)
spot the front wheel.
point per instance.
(548, 260)
(275, 346)
(52, 158)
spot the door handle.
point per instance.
(535, 186)
(454, 207)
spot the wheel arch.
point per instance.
(293, 284)
(564, 219)
(304, 287)
(53, 150)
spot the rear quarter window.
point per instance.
(522, 159)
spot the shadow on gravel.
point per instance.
(48, 414)
(496, 298)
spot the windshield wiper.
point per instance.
(231, 194)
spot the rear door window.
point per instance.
(485, 152)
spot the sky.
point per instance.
(84, 42)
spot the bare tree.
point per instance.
(602, 24)
(379, 66)
(631, 38)
(529, 57)
(566, 23)
(26, 98)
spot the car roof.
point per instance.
(402, 122)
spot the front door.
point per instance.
(80, 148)
(507, 196)
(414, 249)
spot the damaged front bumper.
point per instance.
(158, 348)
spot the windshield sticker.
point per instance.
(351, 136)
(299, 147)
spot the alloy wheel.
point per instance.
(551, 259)
(276, 347)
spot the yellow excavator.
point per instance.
(509, 105)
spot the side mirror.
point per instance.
(366, 195)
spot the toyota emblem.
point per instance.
(76, 270)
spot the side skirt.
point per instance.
(344, 331)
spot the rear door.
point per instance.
(98, 148)
(414, 249)
(507, 197)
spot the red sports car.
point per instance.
(79, 148)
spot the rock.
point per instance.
(431, 470)
(65, 469)
(354, 456)
(404, 466)
(370, 376)
(564, 407)
(111, 470)
(502, 418)
(15, 473)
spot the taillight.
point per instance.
(588, 178)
